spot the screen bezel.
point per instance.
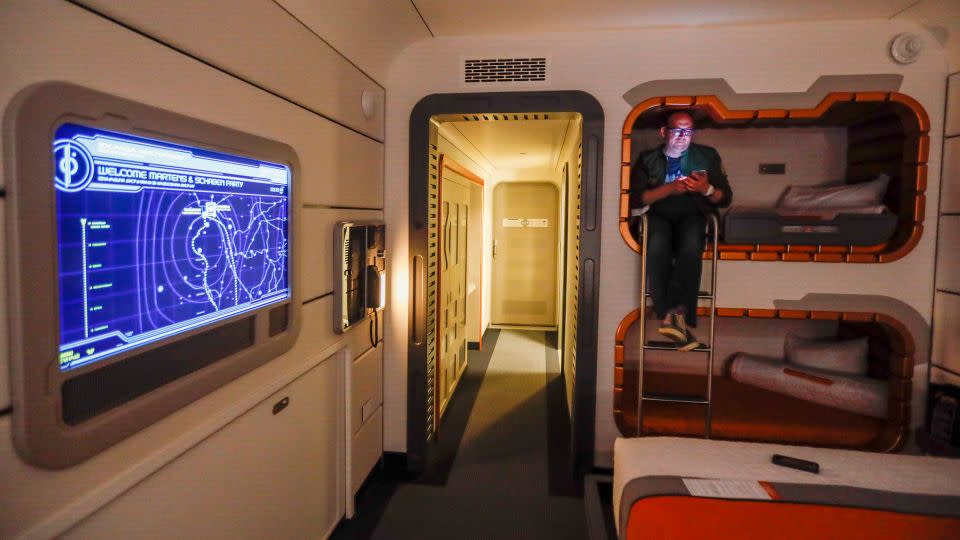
(40, 434)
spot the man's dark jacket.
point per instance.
(650, 168)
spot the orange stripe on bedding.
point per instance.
(807, 376)
(695, 518)
(771, 491)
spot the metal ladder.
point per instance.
(707, 348)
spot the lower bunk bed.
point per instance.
(679, 488)
(743, 412)
(843, 383)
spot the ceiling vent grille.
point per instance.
(504, 70)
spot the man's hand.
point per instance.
(663, 191)
(678, 186)
(698, 182)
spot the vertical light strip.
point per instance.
(83, 250)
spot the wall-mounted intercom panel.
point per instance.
(359, 272)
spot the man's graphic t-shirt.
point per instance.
(673, 169)
(679, 205)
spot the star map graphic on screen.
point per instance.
(157, 238)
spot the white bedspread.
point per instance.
(701, 458)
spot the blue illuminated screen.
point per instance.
(156, 238)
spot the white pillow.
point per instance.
(843, 196)
(848, 357)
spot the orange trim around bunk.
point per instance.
(916, 126)
(695, 518)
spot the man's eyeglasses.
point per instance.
(680, 132)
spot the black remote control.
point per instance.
(796, 463)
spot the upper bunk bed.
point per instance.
(879, 152)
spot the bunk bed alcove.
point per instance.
(747, 412)
(883, 133)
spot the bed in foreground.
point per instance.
(669, 487)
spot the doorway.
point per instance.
(424, 233)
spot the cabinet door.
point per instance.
(264, 475)
(451, 307)
(367, 387)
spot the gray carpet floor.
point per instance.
(498, 486)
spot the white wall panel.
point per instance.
(946, 331)
(939, 376)
(264, 475)
(367, 448)
(948, 254)
(317, 251)
(950, 192)
(338, 167)
(371, 33)
(260, 42)
(952, 123)
(352, 173)
(811, 156)
(366, 387)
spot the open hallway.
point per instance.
(507, 478)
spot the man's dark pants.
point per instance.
(675, 245)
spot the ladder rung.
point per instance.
(671, 346)
(701, 295)
(671, 398)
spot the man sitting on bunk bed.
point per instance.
(677, 184)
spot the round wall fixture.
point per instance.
(905, 48)
(368, 104)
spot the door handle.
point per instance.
(494, 248)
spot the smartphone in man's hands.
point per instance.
(696, 178)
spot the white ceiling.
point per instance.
(512, 149)
(472, 17)
(372, 33)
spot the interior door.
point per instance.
(524, 254)
(452, 290)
